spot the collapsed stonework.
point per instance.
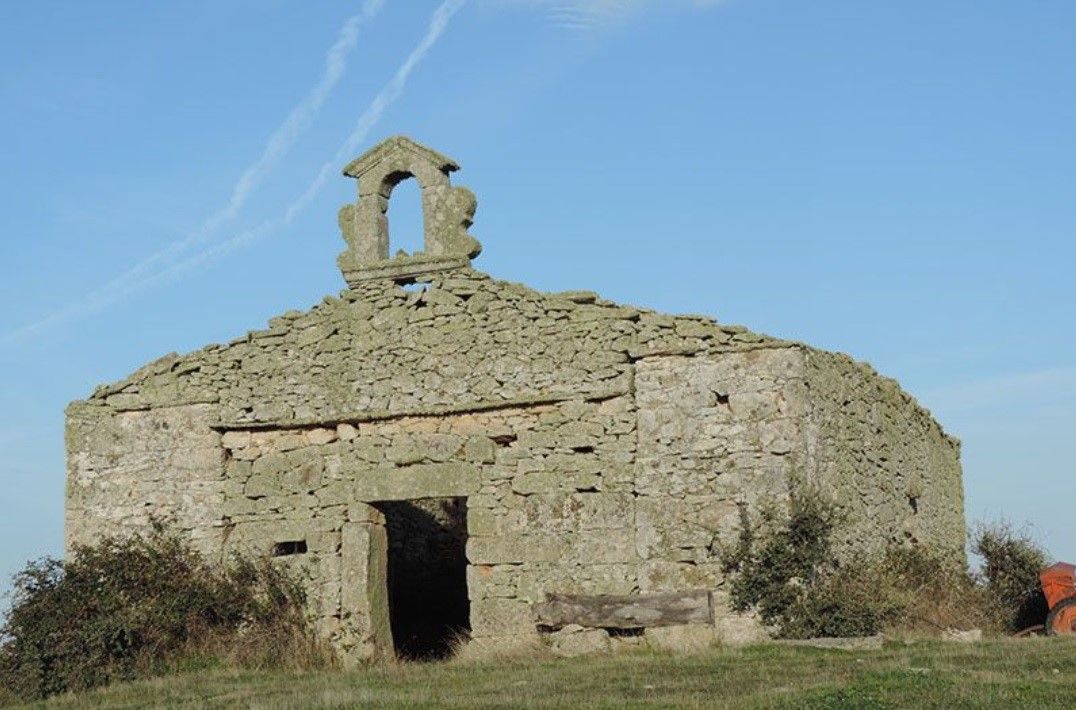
(439, 453)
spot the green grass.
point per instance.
(1034, 673)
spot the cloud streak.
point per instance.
(360, 132)
(299, 118)
(1040, 387)
(281, 140)
(588, 15)
(358, 136)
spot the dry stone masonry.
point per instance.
(442, 455)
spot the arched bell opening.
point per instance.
(405, 218)
(429, 216)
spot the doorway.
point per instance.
(429, 611)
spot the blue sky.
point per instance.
(895, 180)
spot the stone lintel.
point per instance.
(402, 268)
(434, 480)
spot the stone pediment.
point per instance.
(391, 149)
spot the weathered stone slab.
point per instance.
(517, 549)
(439, 480)
(625, 612)
(574, 640)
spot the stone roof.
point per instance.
(381, 347)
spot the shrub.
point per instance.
(127, 607)
(933, 593)
(786, 570)
(776, 562)
(843, 601)
(1012, 562)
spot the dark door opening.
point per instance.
(429, 611)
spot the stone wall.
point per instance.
(715, 432)
(128, 468)
(601, 449)
(882, 458)
(548, 489)
(379, 348)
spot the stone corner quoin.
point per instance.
(554, 444)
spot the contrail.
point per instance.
(123, 287)
(365, 123)
(275, 148)
(384, 99)
(286, 135)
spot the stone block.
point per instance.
(406, 451)
(497, 617)
(963, 636)
(290, 441)
(740, 630)
(516, 549)
(320, 436)
(671, 576)
(611, 546)
(736, 628)
(779, 436)
(272, 464)
(337, 493)
(574, 640)
(538, 580)
(537, 482)
(440, 480)
(482, 521)
(249, 453)
(235, 439)
(262, 486)
(480, 449)
(304, 477)
(686, 638)
(497, 647)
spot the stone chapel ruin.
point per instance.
(445, 456)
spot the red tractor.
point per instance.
(1059, 586)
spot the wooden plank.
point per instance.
(625, 612)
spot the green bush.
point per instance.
(1012, 562)
(788, 573)
(839, 602)
(127, 607)
(786, 570)
(777, 562)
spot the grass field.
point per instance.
(1034, 673)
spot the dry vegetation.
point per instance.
(785, 567)
(134, 607)
(1038, 673)
(149, 607)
